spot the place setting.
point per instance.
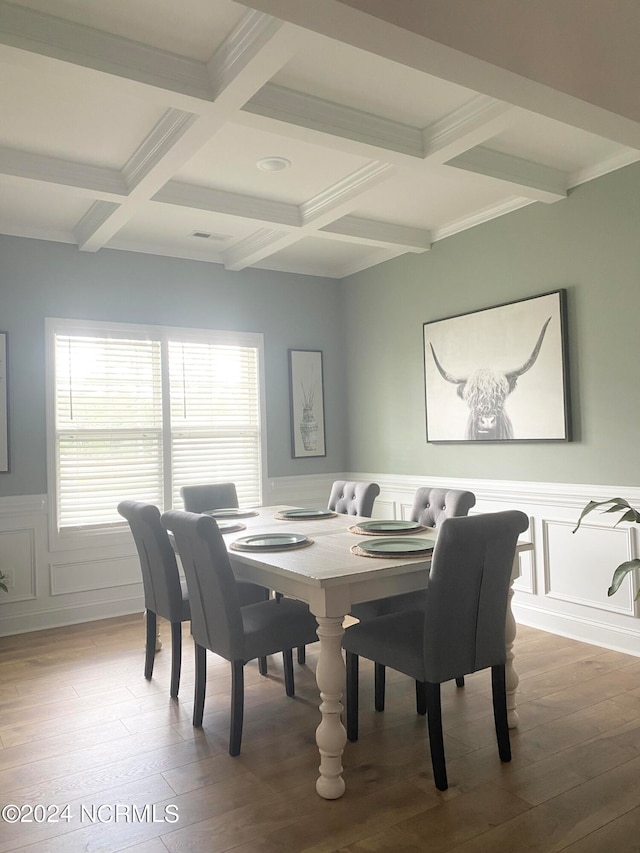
(391, 538)
(231, 512)
(394, 546)
(386, 527)
(271, 542)
(303, 514)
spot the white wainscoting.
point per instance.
(562, 587)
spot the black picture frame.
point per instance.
(4, 404)
(500, 373)
(306, 395)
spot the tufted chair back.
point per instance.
(353, 498)
(209, 496)
(432, 506)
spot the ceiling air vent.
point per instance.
(207, 235)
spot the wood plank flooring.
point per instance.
(80, 726)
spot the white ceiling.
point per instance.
(132, 125)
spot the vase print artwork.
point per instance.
(308, 424)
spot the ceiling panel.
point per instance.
(439, 197)
(174, 228)
(38, 208)
(355, 78)
(151, 141)
(316, 256)
(228, 162)
(48, 115)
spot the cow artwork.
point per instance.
(485, 391)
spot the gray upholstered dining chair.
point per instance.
(164, 594)
(208, 496)
(353, 498)
(430, 508)
(461, 628)
(220, 624)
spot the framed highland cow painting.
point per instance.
(499, 374)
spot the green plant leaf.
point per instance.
(620, 574)
(617, 505)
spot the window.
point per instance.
(137, 412)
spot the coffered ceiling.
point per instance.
(140, 124)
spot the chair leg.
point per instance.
(262, 666)
(302, 655)
(499, 691)
(421, 698)
(176, 658)
(150, 644)
(379, 679)
(287, 660)
(351, 697)
(460, 681)
(200, 685)
(237, 706)
(436, 742)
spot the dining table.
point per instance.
(332, 575)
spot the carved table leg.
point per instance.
(330, 734)
(511, 676)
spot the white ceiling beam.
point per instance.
(355, 132)
(373, 135)
(530, 180)
(283, 216)
(256, 48)
(477, 121)
(246, 207)
(354, 229)
(81, 178)
(338, 21)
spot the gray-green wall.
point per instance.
(589, 244)
(370, 330)
(40, 279)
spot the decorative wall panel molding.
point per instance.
(573, 564)
(562, 587)
(18, 564)
(93, 574)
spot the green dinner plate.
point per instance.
(229, 526)
(399, 547)
(270, 540)
(391, 526)
(230, 512)
(306, 513)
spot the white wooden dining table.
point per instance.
(331, 579)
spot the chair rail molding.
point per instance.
(562, 587)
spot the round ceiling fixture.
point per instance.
(273, 164)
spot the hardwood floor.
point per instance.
(79, 725)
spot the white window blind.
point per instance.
(215, 417)
(139, 416)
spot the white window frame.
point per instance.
(116, 535)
